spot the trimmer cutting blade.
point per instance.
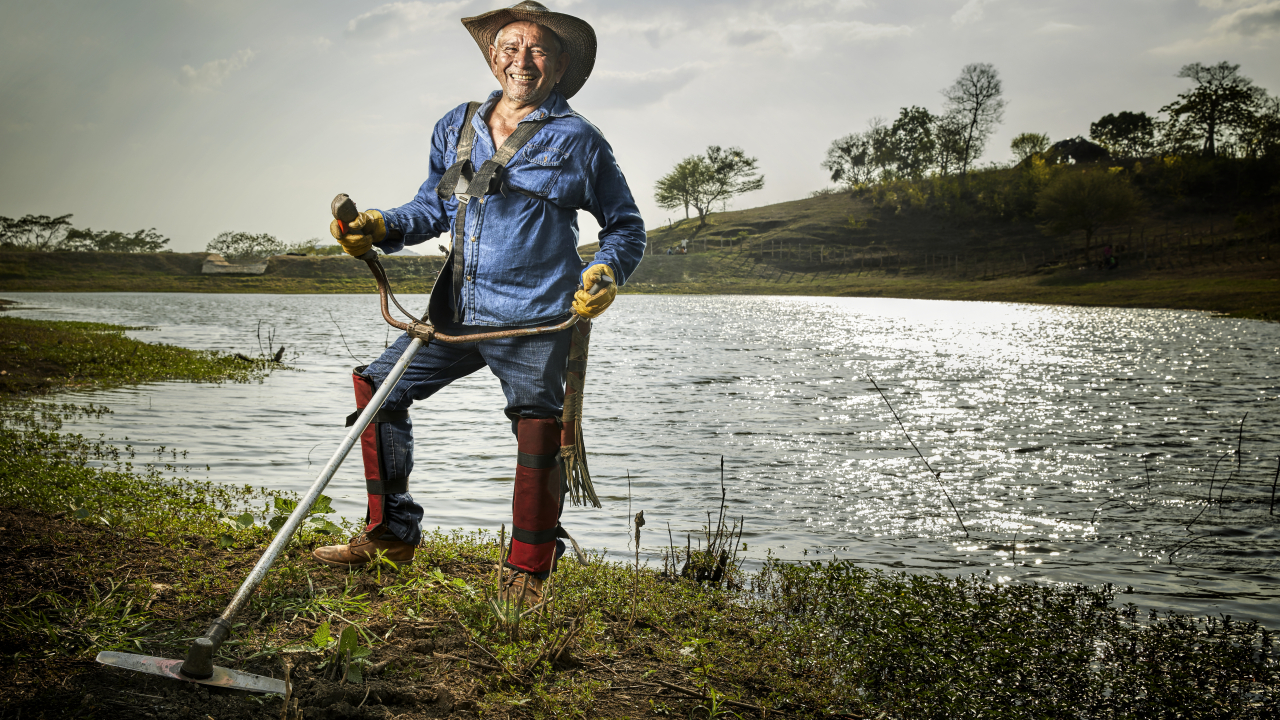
(222, 677)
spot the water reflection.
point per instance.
(1078, 444)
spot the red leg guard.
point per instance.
(535, 507)
(369, 448)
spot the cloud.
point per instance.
(213, 73)
(857, 30)
(971, 11)
(388, 21)
(1260, 19)
(1253, 19)
(1053, 28)
(635, 89)
(807, 39)
(743, 38)
(1226, 4)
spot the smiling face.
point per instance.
(527, 61)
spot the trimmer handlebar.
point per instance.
(344, 211)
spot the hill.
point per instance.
(842, 244)
(834, 244)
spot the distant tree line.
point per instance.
(56, 234)
(919, 143)
(1224, 114)
(47, 233)
(924, 161)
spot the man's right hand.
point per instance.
(361, 234)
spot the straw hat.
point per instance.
(578, 38)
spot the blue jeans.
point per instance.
(532, 370)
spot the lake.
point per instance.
(1077, 444)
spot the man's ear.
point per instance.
(563, 63)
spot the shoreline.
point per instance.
(156, 556)
(1246, 290)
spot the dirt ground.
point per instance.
(425, 668)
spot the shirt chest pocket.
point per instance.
(540, 170)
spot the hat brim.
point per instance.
(578, 37)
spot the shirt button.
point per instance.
(468, 278)
(481, 201)
(473, 238)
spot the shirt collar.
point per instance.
(554, 106)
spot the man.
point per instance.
(511, 203)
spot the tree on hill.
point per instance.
(1028, 144)
(1086, 200)
(1222, 104)
(240, 247)
(949, 138)
(976, 101)
(703, 181)
(674, 189)
(1262, 137)
(1125, 134)
(34, 232)
(859, 158)
(909, 142)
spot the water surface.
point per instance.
(1078, 444)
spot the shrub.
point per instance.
(239, 247)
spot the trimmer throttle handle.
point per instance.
(344, 211)
(604, 282)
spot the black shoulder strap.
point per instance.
(488, 181)
(460, 171)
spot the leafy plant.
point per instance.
(351, 655)
(243, 521)
(284, 507)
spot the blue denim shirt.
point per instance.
(521, 252)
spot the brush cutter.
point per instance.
(198, 666)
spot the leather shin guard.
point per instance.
(376, 479)
(535, 507)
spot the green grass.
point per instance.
(806, 639)
(41, 355)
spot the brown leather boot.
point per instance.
(521, 587)
(364, 547)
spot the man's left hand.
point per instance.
(590, 306)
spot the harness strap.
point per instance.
(460, 172)
(387, 487)
(535, 537)
(381, 416)
(459, 181)
(484, 181)
(538, 462)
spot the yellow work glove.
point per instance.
(590, 306)
(361, 234)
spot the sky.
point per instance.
(197, 117)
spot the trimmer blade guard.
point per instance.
(222, 677)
